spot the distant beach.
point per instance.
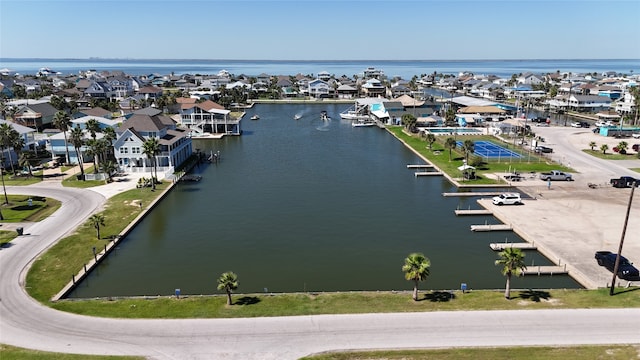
(405, 69)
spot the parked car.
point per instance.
(555, 175)
(624, 182)
(626, 270)
(543, 149)
(507, 199)
(580, 124)
(635, 147)
(636, 135)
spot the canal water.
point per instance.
(306, 205)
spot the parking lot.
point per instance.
(570, 221)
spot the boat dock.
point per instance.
(418, 166)
(491, 227)
(472, 194)
(521, 246)
(428, 173)
(473, 212)
(545, 270)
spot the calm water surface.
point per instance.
(306, 205)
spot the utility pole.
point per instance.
(624, 230)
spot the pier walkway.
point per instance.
(473, 212)
(491, 227)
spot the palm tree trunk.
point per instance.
(507, 289)
(415, 290)
(229, 298)
(66, 147)
(98, 231)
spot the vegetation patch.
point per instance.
(27, 208)
(611, 352)
(15, 353)
(607, 154)
(54, 269)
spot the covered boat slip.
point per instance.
(360, 109)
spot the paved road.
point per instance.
(26, 323)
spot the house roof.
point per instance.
(151, 111)
(489, 109)
(146, 123)
(408, 101)
(97, 111)
(17, 127)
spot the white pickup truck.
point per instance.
(555, 175)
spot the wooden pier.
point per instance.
(428, 173)
(491, 227)
(521, 246)
(545, 270)
(472, 194)
(418, 166)
(473, 212)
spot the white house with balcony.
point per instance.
(175, 145)
(208, 117)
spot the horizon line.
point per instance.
(305, 60)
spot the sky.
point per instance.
(321, 30)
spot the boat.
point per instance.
(255, 117)
(363, 123)
(323, 115)
(297, 117)
(360, 109)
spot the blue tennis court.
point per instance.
(490, 150)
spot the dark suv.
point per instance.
(626, 270)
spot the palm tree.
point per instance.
(109, 137)
(622, 147)
(77, 139)
(62, 121)
(108, 167)
(604, 148)
(228, 282)
(450, 143)
(409, 121)
(468, 147)
(7, 137)
(93, 127)
(24, 160)
(416, 268)
(151, 147)
(512, 260)
(592, 145)
(430, 139)
(97, 220)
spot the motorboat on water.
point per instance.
(255, 117)
(297, 117)
(324, 115)
(363, 123)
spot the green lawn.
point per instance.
(259, 305)
(609, 352)
(14, 353)
(439, 156)
(7, 236)
(19, 210)
(610, 155)
(19, 180)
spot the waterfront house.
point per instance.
(589, 103)
(103, 122)
(55, 145)
(175, 145)
(373, 88)
(208, 117)
(319, 89)
(346, 91)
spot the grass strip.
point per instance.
(15, 353)
(295, 304)
(19, 209)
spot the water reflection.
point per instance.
(291, 208)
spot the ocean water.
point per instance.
(405, 69)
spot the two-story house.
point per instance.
(175, 145)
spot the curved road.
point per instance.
(26, 323)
